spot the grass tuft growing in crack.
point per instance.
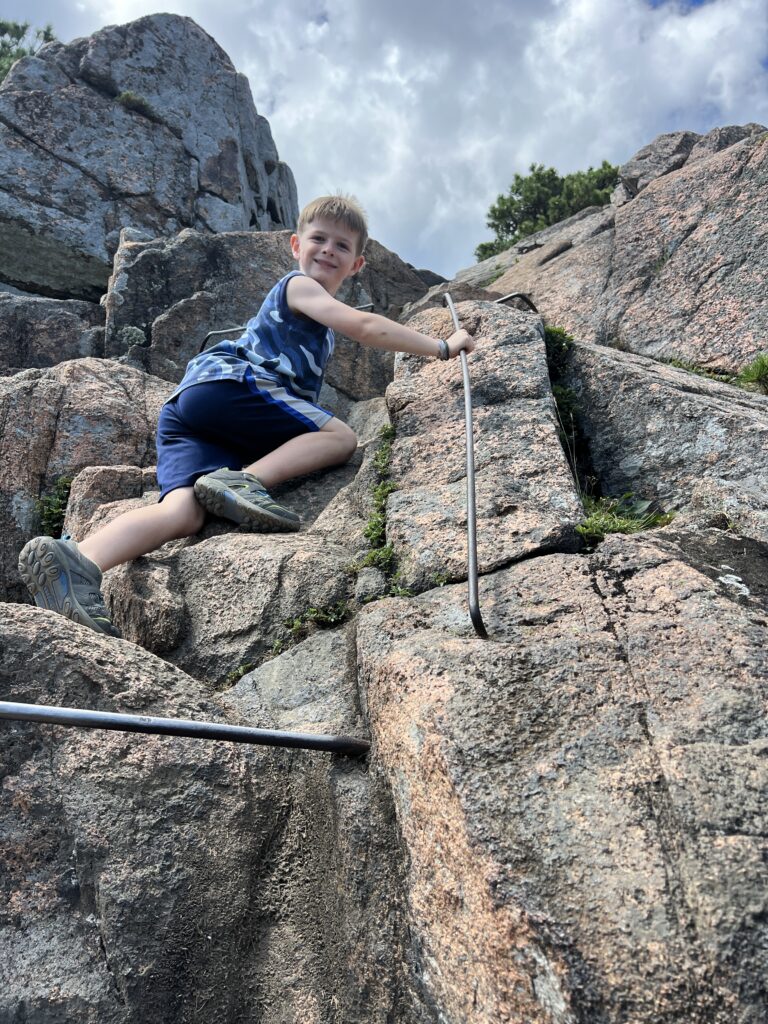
(755, 374)
(618, 515)
(752, 377)
(138, 105)
(603, 514)
(382, 555)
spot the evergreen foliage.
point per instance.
(756, 373)
(52, 507)
(544, 197)
(18, 40)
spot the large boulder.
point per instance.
(38, 332)
(581, 796)
(145, 125)
(166, 295)
(166, 879)
(56, 422)
(526, 498)
(673, 269)
(658, 431)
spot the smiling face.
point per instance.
(327, 252)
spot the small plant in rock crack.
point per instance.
(323, 618)
(237, 674)
(683, 364)
(375, 530)
(619, 515)
(756, 374)
(131, 101)
(381, 555)
(52, 507)
(382, 558)
(557, 343)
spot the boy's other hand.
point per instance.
(458, 341)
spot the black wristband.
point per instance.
(444, 352)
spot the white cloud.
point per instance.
(426, 110)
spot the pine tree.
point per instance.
(17, 40)
(544, 197)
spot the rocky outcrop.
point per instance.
(585, 785)
(561, 824)
(145, 125)
(165, 295)
(37, 332)
(55, 422)
(673, 270)
(178, 880)
(658, 431)
(526, 497)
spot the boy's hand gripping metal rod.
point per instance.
(474, 602)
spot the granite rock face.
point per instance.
(562, 824)
(37, 332)
(658, 431)
(673, 269)
(526, 498)
(56, 422)
(165, 295)
(177, 880)
(582, 796)
(145, 125)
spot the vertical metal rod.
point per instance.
(472, 586)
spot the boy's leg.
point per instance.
(66, 577)
(332, 445)
(144, 529)
(242, 496)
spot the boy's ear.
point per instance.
(357, 266)
(295, 246)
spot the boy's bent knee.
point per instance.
(347, 443)
(185, 512)
(345, 439)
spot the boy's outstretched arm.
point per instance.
(310, 298)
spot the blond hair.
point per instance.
(344, 209)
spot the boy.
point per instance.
(250, 403)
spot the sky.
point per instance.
(425, 110)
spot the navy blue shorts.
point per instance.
(227, 423)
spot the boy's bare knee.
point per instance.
(347, 443)
(185, 512)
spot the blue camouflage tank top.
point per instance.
(277, 345)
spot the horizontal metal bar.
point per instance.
(518, 295)
(179, 727)
(215, 334)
